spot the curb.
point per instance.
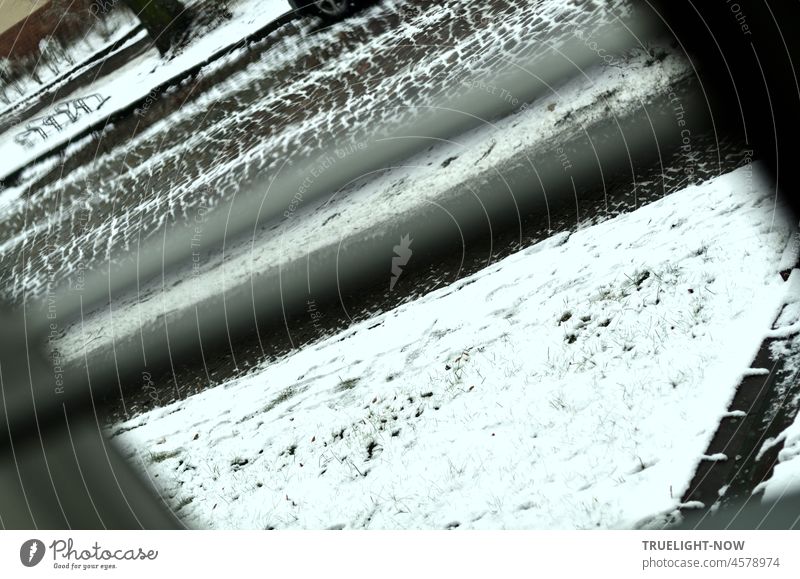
(735, 462)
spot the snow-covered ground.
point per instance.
(574, 384)
(446, 170)
(139, 77)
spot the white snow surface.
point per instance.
(574, 384)
(785, 478)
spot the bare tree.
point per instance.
(50, 53)
(8, 75)
(31, 63)
(6, 79)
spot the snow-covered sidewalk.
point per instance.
(574, 384)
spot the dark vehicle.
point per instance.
(328, 9)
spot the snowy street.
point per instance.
(243, 128)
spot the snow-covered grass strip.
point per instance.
(574, 384)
